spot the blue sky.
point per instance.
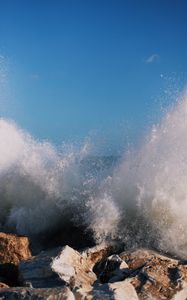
(79, 68)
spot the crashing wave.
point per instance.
(142, 202)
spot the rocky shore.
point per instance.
(100, 272)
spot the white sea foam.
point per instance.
(35, 180)
(150, 186)
(143, 202)
(42, 188)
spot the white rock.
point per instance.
(72, 268)
(123, 290)
(182, 294)
(62, 266)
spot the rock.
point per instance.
(74, 268)
(111, 269)
(37, 271)
(97, 253)
(60, 267)
(81, 294)
(153, 275)
(102, 292)
(182, 294)
(3, 285)
(123, 290)
(21, 293)
(115, 291)
(137, 258)
(9, 274)
(96, 274)
(13, 249)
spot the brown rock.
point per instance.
(97, 253)
(3, 285)
(154, 275)
(13, 249)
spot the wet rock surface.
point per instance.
(21, 293)
(101, 272)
